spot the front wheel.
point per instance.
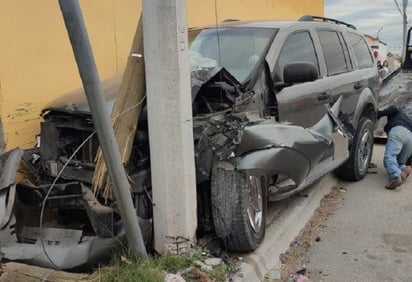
(239, 209)
(356, 167)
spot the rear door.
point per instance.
(342, 76)
(341, 79)
(365, 65)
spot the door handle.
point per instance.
(323, 96)
(358, 86)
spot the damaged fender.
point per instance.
(66, 248)
(278, 153)
(9, 163)
(288, 150)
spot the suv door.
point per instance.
(300, 104)
(366, 67)
(342, 77)
(360, 108)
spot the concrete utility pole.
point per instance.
(170, 124)
(82, 50)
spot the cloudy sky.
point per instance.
(371, 15)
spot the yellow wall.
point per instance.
(37, 63)
(202, 12)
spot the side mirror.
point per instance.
(298, 72)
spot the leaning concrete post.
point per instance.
(88, 72)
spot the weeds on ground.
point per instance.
(153, 269)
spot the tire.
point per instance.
(239, 212)
(356, 167)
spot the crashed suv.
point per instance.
(276, 105)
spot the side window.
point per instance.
(346, 52)
(334, 49)
(298, 47)
(361, 50)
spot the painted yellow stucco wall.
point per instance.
(37, 63)
(201, 12)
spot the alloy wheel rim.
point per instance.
(255, 206)
(364, 151)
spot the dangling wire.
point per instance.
(60, 173)
(48, 193)
(218, 49)
(217, 34)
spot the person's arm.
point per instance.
(390, 111)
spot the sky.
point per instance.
(369, 16)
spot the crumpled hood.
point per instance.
(76, 100)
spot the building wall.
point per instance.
(37, 63)
(202, 12)
(378, 47)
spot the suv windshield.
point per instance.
(237, 49)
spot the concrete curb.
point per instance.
(282, 232)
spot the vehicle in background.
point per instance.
(397, 89)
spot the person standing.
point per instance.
(385, 67)
(398, 147)
(379, 65)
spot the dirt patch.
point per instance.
(294, 260)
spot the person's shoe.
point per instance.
(405, 172)
(394, 183)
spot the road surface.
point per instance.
(369, 236)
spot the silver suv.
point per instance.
(278, 81)
(276, 105)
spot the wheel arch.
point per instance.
(355, 167)
(369, 112)
(275, 161)
(366, 107)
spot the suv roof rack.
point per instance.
(310, 18)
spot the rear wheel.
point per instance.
(239, 209)
(356, 167)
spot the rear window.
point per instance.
(237, 49)
(360, 47)
(335, 52)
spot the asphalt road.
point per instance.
(369, 237)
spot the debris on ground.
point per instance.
(372, 165)
(170, 277)
(372, 168)
(273, 275)
(199, 275)
(13, 271)
(213, 261)
(300, 278)
(294, 260)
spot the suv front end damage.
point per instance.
(243, 156)
(79, 228)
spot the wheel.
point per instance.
(238, 209)
(356, 167)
